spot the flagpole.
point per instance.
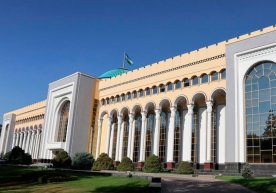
(124, 58)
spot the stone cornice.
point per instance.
(166, 71)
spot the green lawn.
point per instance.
(15, 179)
(259, 184)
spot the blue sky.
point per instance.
(44, 40)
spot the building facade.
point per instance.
(213, 107)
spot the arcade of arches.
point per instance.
(180, 132)
(29, 139)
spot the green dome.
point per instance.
(113, 73)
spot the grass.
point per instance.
(259, 184)
(16, 179)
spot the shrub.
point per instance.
(126, 165)
(7, 156)
(104, 162)
(184, 168)
(247, 172)
(152, 165)
(27, 159)
(83, 161)
(62, 160)
(18, 156)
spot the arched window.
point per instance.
(163, 136)
(177, 84)
(103, 102)
(123, 96)
(214, 76)
(204, 78)
(186, 82)
(141, 93)
(128, 95)
(260, 103)
(162, 88)
(150, 127)
(176, 149)
(118, 98)
(147, 91)
(63, 122)
(154, 90)
(223, 74)
(134, 93)
(107, 100)
(195, 80)
(137, 137)
(169, 86)
(113, 99)
(114, 140)
(125, 135)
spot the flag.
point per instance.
(128, 59)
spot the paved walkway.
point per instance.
(201, 184)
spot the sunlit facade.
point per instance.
(213, 107)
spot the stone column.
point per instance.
(100, 121)
(20, 139)
(32, 143)
(143, 141)
(28, 141)
(109, 120)
(208, 165)
(17, 139)
(170, 141)
(187, 142)
(183, 120)
(130, 130)
(117, 160)
(156, 133)
(111, 140)
(24, 140)
(132, 139)
(221, 151)
(121, 141)
(35, 145)
(13, 139)
(38, 144)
